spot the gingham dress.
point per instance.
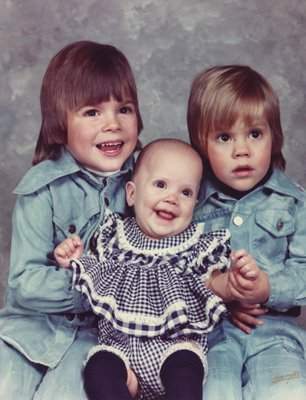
(150, 294)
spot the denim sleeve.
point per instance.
(288, 284)
(35, 282)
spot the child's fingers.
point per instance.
(76, 240)
(243, 260)
(236, 254)
(70, 243)
(248, 271)
(60, 251)
(245, 321)
(240, 283)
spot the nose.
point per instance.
(241, 148)
(171, 198)
(110, 122)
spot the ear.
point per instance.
(130, 190)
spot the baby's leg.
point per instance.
(105, 377)
(182, 375)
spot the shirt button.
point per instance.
(72, 228)
(279, 225)
(238, 220)
(106, 201)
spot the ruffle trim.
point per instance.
(161, 247)
(173, 321)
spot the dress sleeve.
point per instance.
(105, 233)
(213, 253)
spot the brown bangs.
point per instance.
(97, 79)
(221, 95)
(81, 74)
(249, 110)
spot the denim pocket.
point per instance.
(277, 223)
(270, 234)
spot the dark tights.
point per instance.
(182, 376)
(105, 377)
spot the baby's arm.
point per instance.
(68, 249)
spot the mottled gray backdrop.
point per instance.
(167, 43)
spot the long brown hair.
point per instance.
(82, 73)
(222, 94)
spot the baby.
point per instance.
(149, 277)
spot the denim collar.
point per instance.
(278, 182)
(49, 171)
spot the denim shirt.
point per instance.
(270, 223)
(54, 200)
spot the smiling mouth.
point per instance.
(110, 148)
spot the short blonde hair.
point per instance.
(221, 94)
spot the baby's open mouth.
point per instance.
(165, 214)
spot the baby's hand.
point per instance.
(246, 281)
(244, 264)
(68, 249)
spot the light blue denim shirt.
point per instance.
(270, 223)
(54, 200)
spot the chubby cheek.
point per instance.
(187, 215)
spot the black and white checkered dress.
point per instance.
(150, 294)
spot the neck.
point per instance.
(237, 194)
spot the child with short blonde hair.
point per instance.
(234, 123)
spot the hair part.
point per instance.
(222, 94)
(82, 73)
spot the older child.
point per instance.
(146, 281)
(234, 123)
(83, 157)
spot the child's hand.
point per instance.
(245, 316)
(246, 281)
(68, 249)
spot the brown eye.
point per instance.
(160, 184)
(91, 112)
(187, 192)
(223, 137)
(127, 109)
(255, 133)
